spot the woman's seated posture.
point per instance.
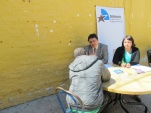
(127, 54)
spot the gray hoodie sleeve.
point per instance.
(105, 74)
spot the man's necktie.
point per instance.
(94, 50)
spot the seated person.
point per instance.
(86, 76)
(127, 54)
(96, 48)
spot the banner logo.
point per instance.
(105, 16)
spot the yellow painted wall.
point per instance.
(37, 39)
(138, 24)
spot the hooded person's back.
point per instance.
(85, 76)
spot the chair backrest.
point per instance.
(73, 96)
(149, 57)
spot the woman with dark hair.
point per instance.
(127, 54)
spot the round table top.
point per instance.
(128, 82)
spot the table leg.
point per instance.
(122, 102)
(133, 103)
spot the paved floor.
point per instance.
(50, 105)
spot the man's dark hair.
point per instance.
(128, 37)
(92, 36)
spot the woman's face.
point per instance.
(127, 44)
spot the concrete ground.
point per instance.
(50, 105)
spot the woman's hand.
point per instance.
(128, 65)
(123, 64)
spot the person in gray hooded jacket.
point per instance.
(86, 76)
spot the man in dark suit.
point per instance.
(96, 48)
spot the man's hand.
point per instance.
(94, 53)
(86, 53)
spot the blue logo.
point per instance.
(104, 15)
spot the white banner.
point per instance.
(110, 27)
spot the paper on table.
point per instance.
(142, 68)
(118, 71)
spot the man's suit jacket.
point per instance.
(102, 52)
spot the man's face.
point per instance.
(93, 42)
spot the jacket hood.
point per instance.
(82, 62)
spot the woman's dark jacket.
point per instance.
(119, 53)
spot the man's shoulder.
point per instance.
(102, 45)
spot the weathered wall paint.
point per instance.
(138, 24)
(37, 39)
